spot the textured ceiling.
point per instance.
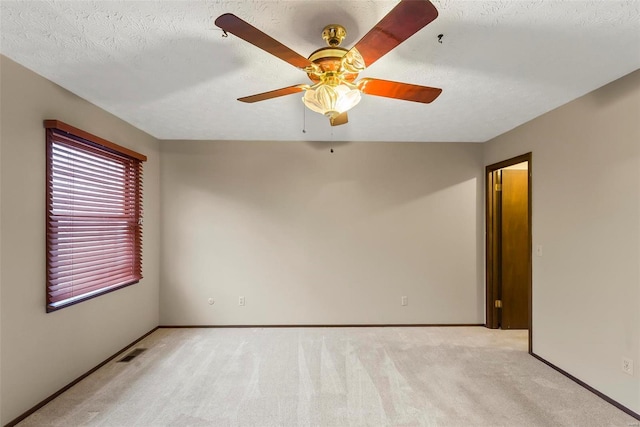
(164, 66)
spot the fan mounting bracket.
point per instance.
(333, 34)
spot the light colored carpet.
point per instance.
(394, 376)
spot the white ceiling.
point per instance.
(164, 66)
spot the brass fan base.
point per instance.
(329, 60)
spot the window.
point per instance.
(94, 216)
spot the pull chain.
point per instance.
(304, 119)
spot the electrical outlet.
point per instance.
(404, 300)
(241, 301)
(627, 366)
(210, 301)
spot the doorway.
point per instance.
(508, 244)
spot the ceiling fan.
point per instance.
(333, 70)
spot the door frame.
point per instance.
(491, 282)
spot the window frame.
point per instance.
(56, 132)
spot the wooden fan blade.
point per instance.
(234, 25)
(340, 119)
(402, 22)
(405, 91)
(274, 93)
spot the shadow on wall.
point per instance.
(616, 90)
(366, 178)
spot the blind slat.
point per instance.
(66, 239)
(97, 181)
(78, 286)
(78, 247)
(86, 222)
(57, 296)
(73, 259)
(85, 208)
(118, 193)
(80, 272)
(103, 197)
(76, 167)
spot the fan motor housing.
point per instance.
(329, 60)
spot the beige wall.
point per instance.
(43, 352)
(586, 216)
(310, 237)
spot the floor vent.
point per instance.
(135, 353)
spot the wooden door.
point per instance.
(514, 259)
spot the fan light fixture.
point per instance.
(331, 100)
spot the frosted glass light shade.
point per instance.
(331, 100)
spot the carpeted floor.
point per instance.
(394, 376)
